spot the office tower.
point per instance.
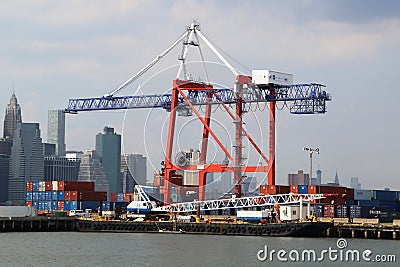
(56, 130)
(300, 178)
(27, 163)
(60, 168)
(90, 170)
(4, 174)
(336, 180)
(12, 117)
(49, 149)
(354, 183)
(137, 166)
(108, 145)
(5, 146)
(318, 181)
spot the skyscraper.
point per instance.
(108, 145)
(90, 170)
(300, 178)
(56, 130)
(137, 167)
(12, 117)
(27, 163)
(4, 174)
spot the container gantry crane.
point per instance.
(186, 93)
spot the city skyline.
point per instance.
(349, 46)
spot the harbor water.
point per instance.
(161, 249)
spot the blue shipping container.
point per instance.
(302, 189)
(35, 204)
(390, 204)
(93, 205)
(67, 205)
(350, 202)
(54, 205)
(319, 210)
(47, 195)
(374, 212)
(106, 206)
(73, 205)
(35, 186)
(368, 203)
(60, 195)
(341, 211)
(54, 195)
(28, 196)
(120, 197)
(385, 195)
(355, 211)
(41, 205)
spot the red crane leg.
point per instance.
(170, 143)
(271, 173)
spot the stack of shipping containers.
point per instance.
(63, 196)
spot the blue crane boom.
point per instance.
(302, 98)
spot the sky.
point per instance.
(52, 51)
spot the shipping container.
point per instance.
(368, 202)
(71, 195)
(341, 211)
(28, 203)
(106, 206)
(35, 196)
(390, 204)
(120, 197)
(312, 189)
(274, 189)
(67, 205)
(60, 195)
(35, 203)
(302, 189)
(374, 212)
(73, 205)
(362, 194)
(35, 186)
(93, 196)
(29, 186)
(54, 195)
(350, 202)
(54, 205)
(75, 186)
(29, 196)
(60, 205)
(355, 211)
(114, 197)
(319, 210)
(54, 185)
(93, 205)
(47, 195)
(48, 186)
(384, 195)
(329, 211)
(42, 186)
(128, 197)
(294, 189)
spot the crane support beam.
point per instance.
(302, 98)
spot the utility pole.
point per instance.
(311, 150)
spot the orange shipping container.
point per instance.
(28, 203)
(48, 186)
(114, 197)
(294, 189)
(60, 205)
(29, 186)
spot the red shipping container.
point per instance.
(60, 205)
(329, 211)
(114, 197)
(28, 203)
(71, 195)
(92, 196)
(75, 186)
(128, 197)
(29, 186)
(48, 186)
(312, 189)
(294, 189)
(60, 185)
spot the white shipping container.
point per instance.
(265, 77)
(292, 213)
(252, 214)
(191, 178)
(55, 185)
(18, 211)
